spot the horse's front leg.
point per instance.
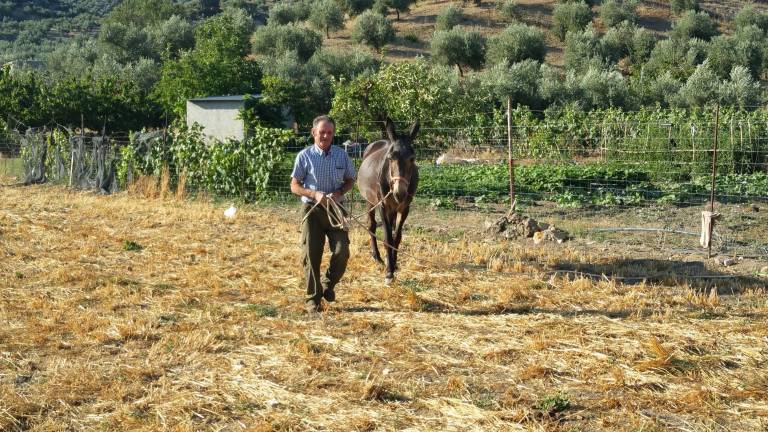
(399, 231)
(372, 231)
(388, 222)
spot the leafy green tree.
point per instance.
(345, 64)
(680, 6)
(373, 30)
(256, 9)
(669, 56)
(570, 17)
(581, 48)
(459, 47)
(217, 66)
(273, 40)
(614, 12)
(693, 25)
(741, 89)
(326, 16)
(225, 35)
(750, 49)
(301, 87)
(289, 12)
(509, 9)
(519, 81)
(355, 7)
(127, 42)
(701, 88)
(448, 18)
(643, 42)
(721, 53)
(750, 15)
(516, 43)
(399, 6)
(404, 91)
(617, 42)
(142, 12)
(170, 37)
(603, 89)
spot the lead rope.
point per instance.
(336, 213)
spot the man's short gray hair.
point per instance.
(323, 118)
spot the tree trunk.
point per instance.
(398, 14)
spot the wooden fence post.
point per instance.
(511, 160)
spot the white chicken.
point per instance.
(230, 212)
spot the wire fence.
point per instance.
(631, 183)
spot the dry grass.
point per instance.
(199, 327)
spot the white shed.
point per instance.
(219, 116)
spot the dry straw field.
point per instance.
(133, 313)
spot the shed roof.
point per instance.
(234, 98)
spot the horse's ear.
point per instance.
(390, 128)
(415, 129)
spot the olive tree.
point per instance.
(326, 16)
(373, 29)
(459, 47)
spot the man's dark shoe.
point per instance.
(329, 295)
(312, 305)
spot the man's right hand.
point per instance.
(318, 197)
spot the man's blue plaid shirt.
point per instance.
(323, 171)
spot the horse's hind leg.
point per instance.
(372, 231)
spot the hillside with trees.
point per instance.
(132, 64)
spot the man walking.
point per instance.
(322, 172)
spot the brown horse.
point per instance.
(388, 178)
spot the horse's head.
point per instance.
(401, 160)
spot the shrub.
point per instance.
(326, 16)
(516, 43)
(448, 18)
(373, 30)
(614, 12)
(693, 24)
(680, 6)
(570, 17)
(459, 47)
(274, 40)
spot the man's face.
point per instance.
(323, 134)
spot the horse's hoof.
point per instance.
(388, 280)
